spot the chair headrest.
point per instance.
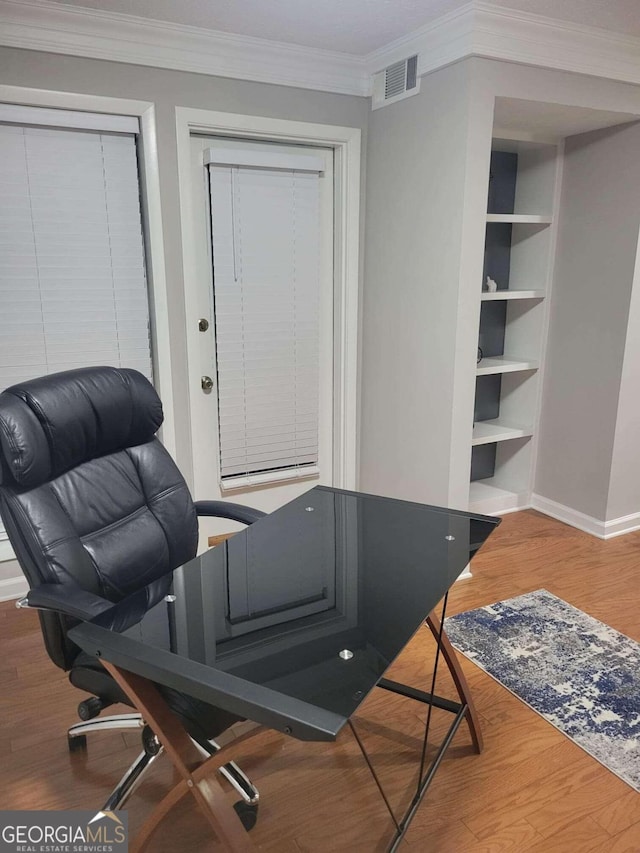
(53, 424)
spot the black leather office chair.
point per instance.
(95, 510)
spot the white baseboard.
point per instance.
(13, 588)
(465, 574)
(594, 526)
(622, 525)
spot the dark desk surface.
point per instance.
(295, 619)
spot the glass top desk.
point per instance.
(294, 620)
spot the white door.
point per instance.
(262, 388)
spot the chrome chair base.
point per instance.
(233, 774)
(129, 782)
(119, 721)
(152, 749)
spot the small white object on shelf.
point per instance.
(492, 285)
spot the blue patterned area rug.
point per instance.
(579, 674)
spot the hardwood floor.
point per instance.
(531, 791)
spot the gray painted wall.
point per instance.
(9, 569)
(414, 216)
(426, 188)
(589, 324)
(426, 196)
(624, 484)
(168, 89)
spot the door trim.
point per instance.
(345, 142)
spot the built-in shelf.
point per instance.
(482, 490)
(501, 364)
(511, 331)
(486, 497)
(512, 294)
(485, 432)
(520, 218)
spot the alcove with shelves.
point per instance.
(515, 283)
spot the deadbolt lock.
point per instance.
(203, 325)
(207, 383)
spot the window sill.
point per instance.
(251, 481)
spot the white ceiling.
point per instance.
(353, 26)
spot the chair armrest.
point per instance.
(67, 599)
(223, 509)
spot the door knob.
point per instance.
(207, 383)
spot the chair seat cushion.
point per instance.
(201, 720)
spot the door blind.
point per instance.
(73, 289)
(266, 255)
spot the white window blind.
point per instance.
(72, 275)
(73, 288)
(266, 256)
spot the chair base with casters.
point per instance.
(196, 765)
(246, 808)
(88, 711)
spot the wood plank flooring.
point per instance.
(531, 791)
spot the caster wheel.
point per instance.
(77, 744)
(247, 813)
(150, 742)
(90, 708)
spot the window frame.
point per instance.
(149, 179)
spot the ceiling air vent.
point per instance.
(398, 81)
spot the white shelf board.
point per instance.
(489, 499)
(486, 432)
(501, 364)
(520, 218)
(512, 294)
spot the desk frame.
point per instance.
(197, 775)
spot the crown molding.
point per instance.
(476, 29)
(439, 43)
(59, 28)
(536, 40)
(492, 32)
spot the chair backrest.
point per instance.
(88, 495)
